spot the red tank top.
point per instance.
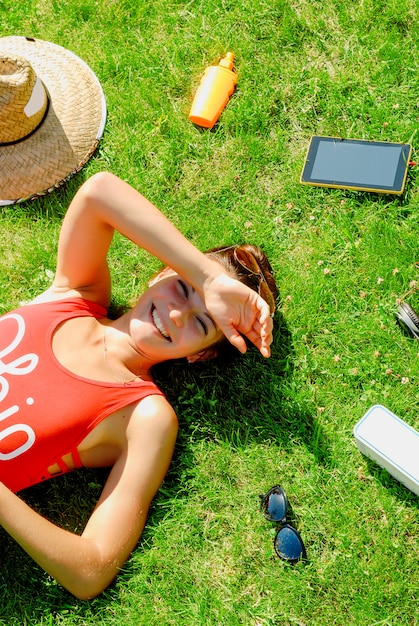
(45, 410)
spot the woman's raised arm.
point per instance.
(104, 204)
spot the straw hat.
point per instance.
(52, 116)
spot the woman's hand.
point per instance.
(238, 310)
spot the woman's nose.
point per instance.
(178, 316)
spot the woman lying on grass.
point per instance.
(75, 386)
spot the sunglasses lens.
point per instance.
(247, 260)
(288, 544)
(276, 506)
(266, 294)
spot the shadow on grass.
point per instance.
(392, 485)
(27, 595)
(249, 399)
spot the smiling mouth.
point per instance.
(158, 323)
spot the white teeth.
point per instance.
(158, 324)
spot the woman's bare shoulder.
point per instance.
(151, 416)
(153, 412)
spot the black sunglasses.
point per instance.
(287, 542)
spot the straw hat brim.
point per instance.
(70, 132)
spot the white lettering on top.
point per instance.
(19, 367)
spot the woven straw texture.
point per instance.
(17, 86)
(70, 132)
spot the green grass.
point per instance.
(341, 259)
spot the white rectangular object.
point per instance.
(390, 442)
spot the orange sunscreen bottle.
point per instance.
(217, 85)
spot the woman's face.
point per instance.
(170, 321)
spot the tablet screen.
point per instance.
(356, 164)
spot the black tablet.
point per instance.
(357, 164)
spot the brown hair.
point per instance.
(227, 258)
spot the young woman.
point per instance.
(76, 389)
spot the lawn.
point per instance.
(342, 260)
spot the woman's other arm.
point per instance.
(85, 565)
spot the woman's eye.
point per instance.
(203, 326)
(184, 292)
(183, 289)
